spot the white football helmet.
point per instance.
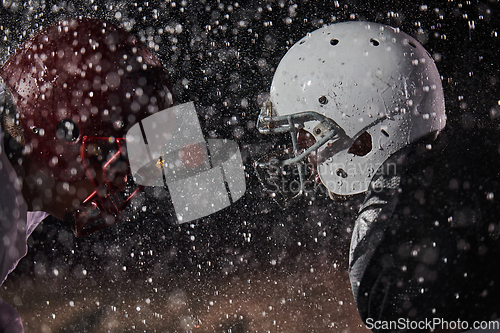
(363, 91)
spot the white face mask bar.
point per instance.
(326, 130)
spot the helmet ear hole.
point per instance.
(374, 42)
(362, 145)
(67, 130)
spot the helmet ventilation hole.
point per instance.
(384, 132)
(374, 42)
(323, 100)
(412, 44)
(334, 42)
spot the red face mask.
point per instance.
(104, 207)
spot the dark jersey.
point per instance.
(425, 244)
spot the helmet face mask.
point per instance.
(106, 163)
(363, 91)
(273, 168)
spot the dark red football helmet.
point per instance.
(78, 86)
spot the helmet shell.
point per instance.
(368, 78)
(81, 77)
